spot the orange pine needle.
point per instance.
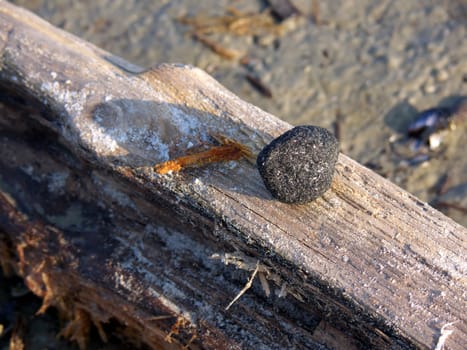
(228, 150)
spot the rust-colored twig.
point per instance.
(229, 54)
(235, 23)
(228, 150)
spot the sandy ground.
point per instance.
(360, 68)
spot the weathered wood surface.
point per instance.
(96, 232)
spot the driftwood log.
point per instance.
(99, 235)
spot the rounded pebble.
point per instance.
(297, 167)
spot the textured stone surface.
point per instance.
(297, 167)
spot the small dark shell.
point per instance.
(431, 120)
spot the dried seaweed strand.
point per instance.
(229, 54)
(228, 150)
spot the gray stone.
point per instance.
(297, 167)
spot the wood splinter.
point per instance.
(245, 288)
(227, 151)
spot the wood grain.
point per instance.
(367, 261)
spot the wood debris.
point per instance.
(245, 288)
(258, 85)
(227, 151)
(234, 23)
(222, 51)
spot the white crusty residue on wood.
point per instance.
(444, 334)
